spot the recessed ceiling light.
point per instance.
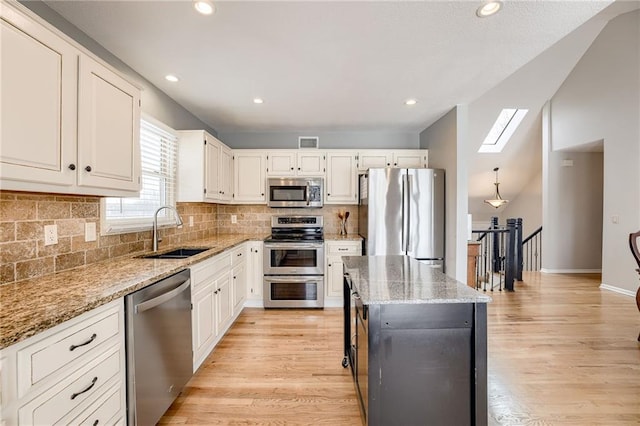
(489, 8)
(204, 6)
(410, 102)
(258, 101)
(171, 78)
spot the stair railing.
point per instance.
(500, 258)
(532, 251)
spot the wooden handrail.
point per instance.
(536, 232)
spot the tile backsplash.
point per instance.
(23, 216)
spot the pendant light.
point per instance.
(497, 200)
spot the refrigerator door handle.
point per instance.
(405, 212)
(408, 217)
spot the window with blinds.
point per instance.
(159, 158)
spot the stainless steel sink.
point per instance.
(181, 253)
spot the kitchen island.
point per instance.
(416, 342)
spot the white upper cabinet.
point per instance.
(342, 176)
(108, 128)
(281, 163)
(250, 180)
(295, 163)
(205, 169)
(403, 158)
(69, 124)
(311, 163)
(226, 173)
(410, 158)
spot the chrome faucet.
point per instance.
(156, 240)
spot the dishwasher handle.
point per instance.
(152, 303)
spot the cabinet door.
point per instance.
(341, 178)
(250, 178)
(224, 302)
(108, 129)
(254, 271)
(226, 174)
(212, 170)
(334, 276)
(239, 286)
(204, 321)
(281, 163)
(410, 159)
(374, 159)
(38, 75)
(311, 164)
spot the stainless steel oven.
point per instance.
(293, 291)
(295, 192)
(294, 258)
(294, 263)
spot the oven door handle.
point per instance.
(294, 279)
(308, 193)
(293, 246)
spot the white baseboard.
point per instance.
(253, 303)
(619, 290)
(571, 271)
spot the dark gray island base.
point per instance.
(416, 341)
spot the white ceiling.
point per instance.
(341, 66)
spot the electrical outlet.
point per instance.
(90, 231)
(50, 235)
(234, 218)
(191, 221)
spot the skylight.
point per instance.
(507, 122)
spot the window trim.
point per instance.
(166, 218)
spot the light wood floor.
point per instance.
(561, 351)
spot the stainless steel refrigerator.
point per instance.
(402, 212)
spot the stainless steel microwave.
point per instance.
(295, 192)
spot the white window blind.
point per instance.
(159, 158)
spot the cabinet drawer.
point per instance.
(83, 385)
(40, 360)
(107, 409)
(343, 249)
(238, 254)
(207, 269)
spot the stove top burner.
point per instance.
(296, 229)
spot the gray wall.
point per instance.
(572, 233)
(527, 205)
(446, 140)
(600, 100)
(289, 140)
(154, 102)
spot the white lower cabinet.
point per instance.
(73, 373)
(334, 250)
(254, 274)
(239, 278)
(218, 289)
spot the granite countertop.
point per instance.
(338, 237)
(31, 306)
(401, 279)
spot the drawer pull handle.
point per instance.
(93, 383)
(96, 422)
(343, 249)
(239, 254)
(91, 339)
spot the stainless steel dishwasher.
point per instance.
(159, 357)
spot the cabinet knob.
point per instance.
(262, 194)
(328, 195)
(298, 168)
(388, 164)
(292, 168)
(395, 164)
(72, 166)
(88, 168)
